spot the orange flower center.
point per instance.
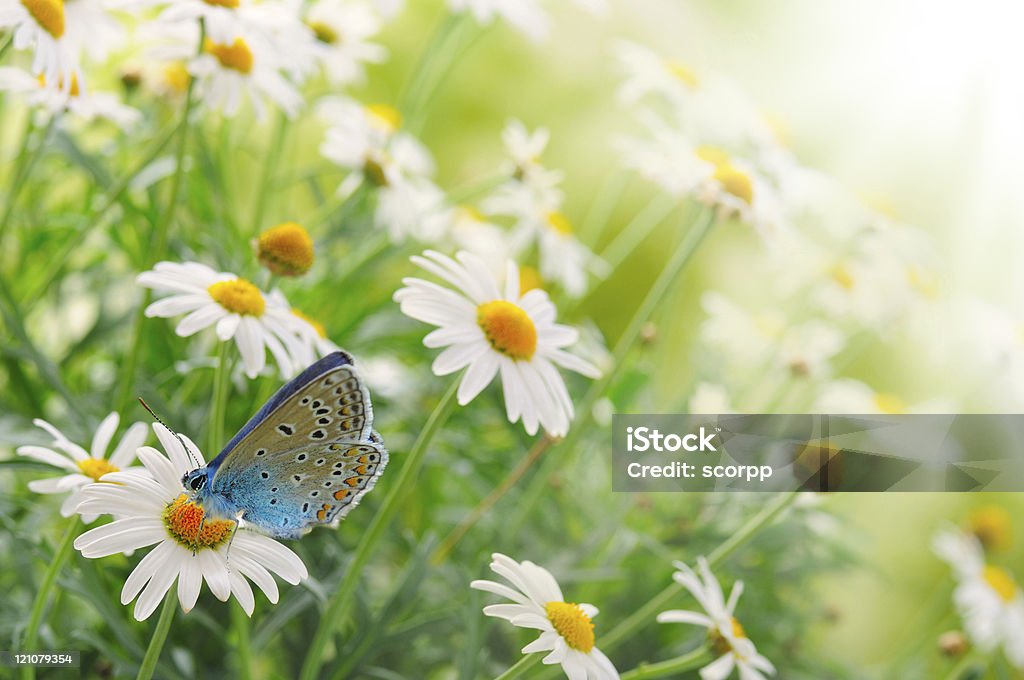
(286, 249)
(237, 56)
(572, 624)
(508, 328)
(238, 296)
(185, 523)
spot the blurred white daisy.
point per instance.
(368, 141)
(236, 307)
(725, 634)
(343, 29)
(471, 230)
(249, 66)
(86, 106)
(647, 73)
(987, 597)
(566, 629)
(42, 26)
(850, 396)
(488, 331)
(83, 467)
(314, 342)
(150, 508)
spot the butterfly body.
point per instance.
(307, 458)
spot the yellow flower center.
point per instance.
(713, 155)
(95, 468)
(719, 642)
(683, 73)
(842, 275)
(317, 326)
(1001, 581)
(890, 403)
(324, 33)
(286, 249)
(177, 77)
(385, 117)
(470, 214)
(560, 223)
(237, 56)
(508, 328)
(185, 523)
(733, 180)
(992, 526)
(238, 296)
(572, 624)
(49, 14)
(223, 3)
(529, 279)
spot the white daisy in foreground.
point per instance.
(83, 467)
(987, 597)
(236, 307)
(725, 634)
(151, 508)
(566, 629)
(488, 332)
(41, 25)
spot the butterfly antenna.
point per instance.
(188, 450)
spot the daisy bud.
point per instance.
(953, 643)
(285, 249)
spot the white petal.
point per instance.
(215, 571)
(124, 454)
(199, 319)
(48, 456)
(104, 433)
(190, 582)
(479, 374)
(144, 570)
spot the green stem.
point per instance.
(425, 65)
(45, 589)
(221, 379)
(240, 623)
(638, 229)
(158, 238)
(959, 671)
(687, 662)
(22, 171)
(337, 606)
(270, 163)
(683, 254)
(156, 643)
(646, 614)
(524, 664)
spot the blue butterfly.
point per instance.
(307, 458)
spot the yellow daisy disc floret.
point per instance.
(286, 249)
(572, 623)
(238, 296)
(508, 328)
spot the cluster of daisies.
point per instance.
(263, 51)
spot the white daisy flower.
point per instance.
(368, 141)
(83, 467)
(526, 16)
(987, 597)
(488, 331)
(87, 106)
(472, 231)
(314, 342)
(42, 25)
(647, 73)
(92, 29)
(236, 307)
(343, 29)
(849, 396)
(726, 636)
(151, 508)
(566, 629)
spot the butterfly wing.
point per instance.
(324, 415)
(296, 490)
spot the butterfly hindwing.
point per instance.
(280, 468)
(315, 484)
